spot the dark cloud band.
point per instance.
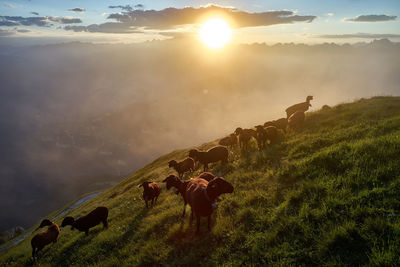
(372, 18)
(133, 20)
(36, 21)
(172, 17)
(77, 9)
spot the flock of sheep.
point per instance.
(202, 192)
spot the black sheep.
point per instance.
(84, 223)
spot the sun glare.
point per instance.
(215, 33)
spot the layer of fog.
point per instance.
(79, 117)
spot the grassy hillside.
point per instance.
(327, 196)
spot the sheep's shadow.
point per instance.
(61, 259)
(185, 241)
(132, 229)
(186, 235)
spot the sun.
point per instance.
(215, 33)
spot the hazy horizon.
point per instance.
(78, 117)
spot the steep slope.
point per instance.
(328, 195)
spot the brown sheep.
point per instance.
(174, 181)
(272, 135)
(261, 136)
(215, 154)
(296, 120)
(244, 136)
(229, 141)
(279, 123)
(84, 223)
(50, 235)
(299, 107)
(187, 165)
(151, 191)
(201, 196)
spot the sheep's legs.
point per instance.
(105, 223)
(184, 210)
(191, 217)
(33, 252)
(147, 206)
(198, 224)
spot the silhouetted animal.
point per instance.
(296, 120)
(299, 107)
(272, 135)
(187, 165)
(229, 141)
(50, 235)
(279, 124)
(84, 223)
(151, 191)
(261, 136)
(215, 154)
(326, 107)
(244, 136)
(201, 196)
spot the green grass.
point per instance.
(327, 196)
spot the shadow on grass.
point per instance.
(64, 256)
(189, 247)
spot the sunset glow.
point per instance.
(215, 33)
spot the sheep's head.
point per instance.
(238, 131)
(145, 184)
(172, 163)
(170, 181)
(45, 222)
(218, 186)
(193, 153)
(67, 221)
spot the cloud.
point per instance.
(360, 35)
(35, 13)
(65, 20)
(9, 6)
(136, 19)
(127, 7)
(139, 6)
(77, 9)
(108, 27)
(372, 18)
(172, 17)
(17, 20)
(36, 21)
(23, 30)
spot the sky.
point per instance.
(272, 21)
